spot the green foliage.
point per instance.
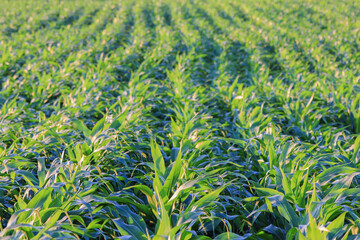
(179, 119)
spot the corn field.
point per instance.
(180, 119)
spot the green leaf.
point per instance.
(163, 226)
(356, 149)
(337, 223)
(41, 199)
(286, 184)
(333, 172)
(117, 123)
(269, 191)
(206, 200)
(157, 158)
(285, 209)
(28, 177)
(132, 218)
(304, 189)
(291, 233)
(49, 223)
(128, 229)
(228, 236)
(81, 126)
(98, 126)
(186, 185)
(172, 179)
(313, 232)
